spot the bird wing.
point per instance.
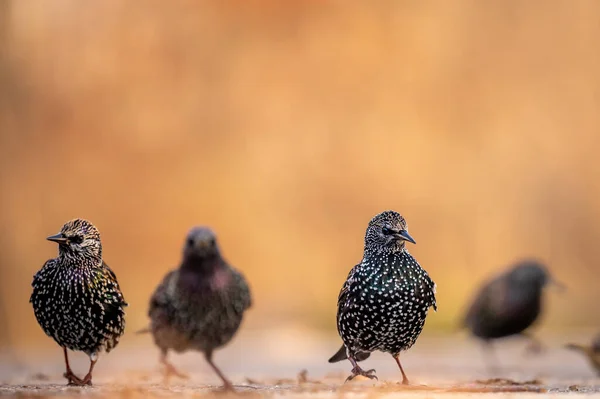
(115, 290)
(108, 304)
(428, 286)
(161, 298)
(488, 303)
(241, 290)
(39, 277)
(343, 298)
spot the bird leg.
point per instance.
(227, 386)
(357, 370)
(170, 369)
(535, 346)
(87, 380)
(404, 378)
(491, 359)
(69, 375)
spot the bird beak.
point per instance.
(560, 287)
(403, 235)
(58, 238)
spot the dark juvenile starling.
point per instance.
(200, 305)
(385, 299)
(592, 352)
(76, 297)
(510, 303)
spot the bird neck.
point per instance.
(203, 276)
(396, 249)
(203, 264)
(391, 264)
(79, 260)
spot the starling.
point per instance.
(510, 303)
(592, 352)
(76, 297)
(385, 299)
(200, 305)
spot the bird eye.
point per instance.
(190, 242)
(76, 239)
(386, 230)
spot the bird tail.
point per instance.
(341, 355)
(578, 347)
(145, 330)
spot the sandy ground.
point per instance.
(293, 363)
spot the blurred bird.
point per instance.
(385, 299)
(592, 352)
(200, 305)
(76, 297)
(509, 304)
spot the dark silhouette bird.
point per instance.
(385, 299)
(591, 352)
(76, 297)
(200, 305)
(509, 303)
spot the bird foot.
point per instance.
(72, 378)
(170, 371)
(534, 348)
(177, 373)
(226, 387)
(370, 374)
(87, 380)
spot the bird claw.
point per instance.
(226, 387)
(178, 374)
(534, 348)
(170, 370)
(76, 381)
(370, 374)
(87, 380)
(72, 378)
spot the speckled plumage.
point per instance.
(386, 297)
(76, 297)
(200, 305)
(509, 303)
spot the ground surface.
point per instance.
(293, 363)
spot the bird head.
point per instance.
(78, 237)
(533, 274)
(201, 243)
(387, 232)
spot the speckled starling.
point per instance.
(510, 303)
(76, 297)
(200, 305)
(385, 299)
(592, 352)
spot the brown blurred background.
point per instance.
(286, 126)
